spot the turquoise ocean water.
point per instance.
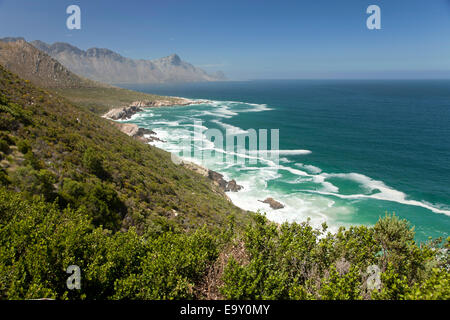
(349, 150)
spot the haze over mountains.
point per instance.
(110, 67)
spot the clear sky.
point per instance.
(254, 39)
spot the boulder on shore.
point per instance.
(274, 204)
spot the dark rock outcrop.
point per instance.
(274, 204)
(123, 113)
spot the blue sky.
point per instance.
(254, 39)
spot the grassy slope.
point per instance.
(80, 160)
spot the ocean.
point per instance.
(350, 151)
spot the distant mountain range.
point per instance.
(110, 67)
(20, 57)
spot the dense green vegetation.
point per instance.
(71, 156)
(76, 191)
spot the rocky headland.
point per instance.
(126, 112)
(107, 66)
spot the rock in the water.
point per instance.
(233, 186)
(274, 204)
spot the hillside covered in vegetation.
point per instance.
(76, 191)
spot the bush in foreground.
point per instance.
(292, 261)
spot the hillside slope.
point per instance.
(108, 66)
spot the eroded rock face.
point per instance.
(125, 113)
(107, 66)
(233, 186)
(218, 179)
(274, 204)
(142, 134)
